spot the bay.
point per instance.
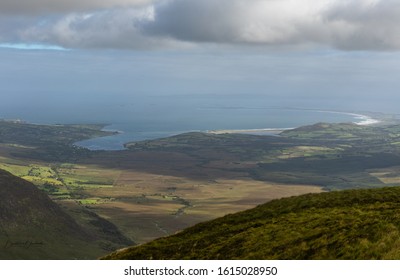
(149, 117)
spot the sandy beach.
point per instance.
(360, 120)
(250, 131)
(364, 120)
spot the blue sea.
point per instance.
(161, 116)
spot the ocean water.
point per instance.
(142, 118)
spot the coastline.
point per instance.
(111, 142)
(362, 120)
(269, 131)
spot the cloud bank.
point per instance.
(141, 24)
(28, 7)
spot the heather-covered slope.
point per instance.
(355, 224)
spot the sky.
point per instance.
(344, 52)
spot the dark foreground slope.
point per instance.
(34, 227)
(355, 224)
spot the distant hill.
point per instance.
(34, 227)
(354, 224)
(50, 142)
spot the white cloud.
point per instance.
(115, 28)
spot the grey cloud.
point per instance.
(59, 6)
(374, 25)
(199, 21)
(343, 24)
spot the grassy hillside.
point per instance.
(48, 142)
(333, 156)
(34, 227)
(354, 224)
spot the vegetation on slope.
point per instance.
(48, 142)
(334, 156)
(354, 224)
(32, 226)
